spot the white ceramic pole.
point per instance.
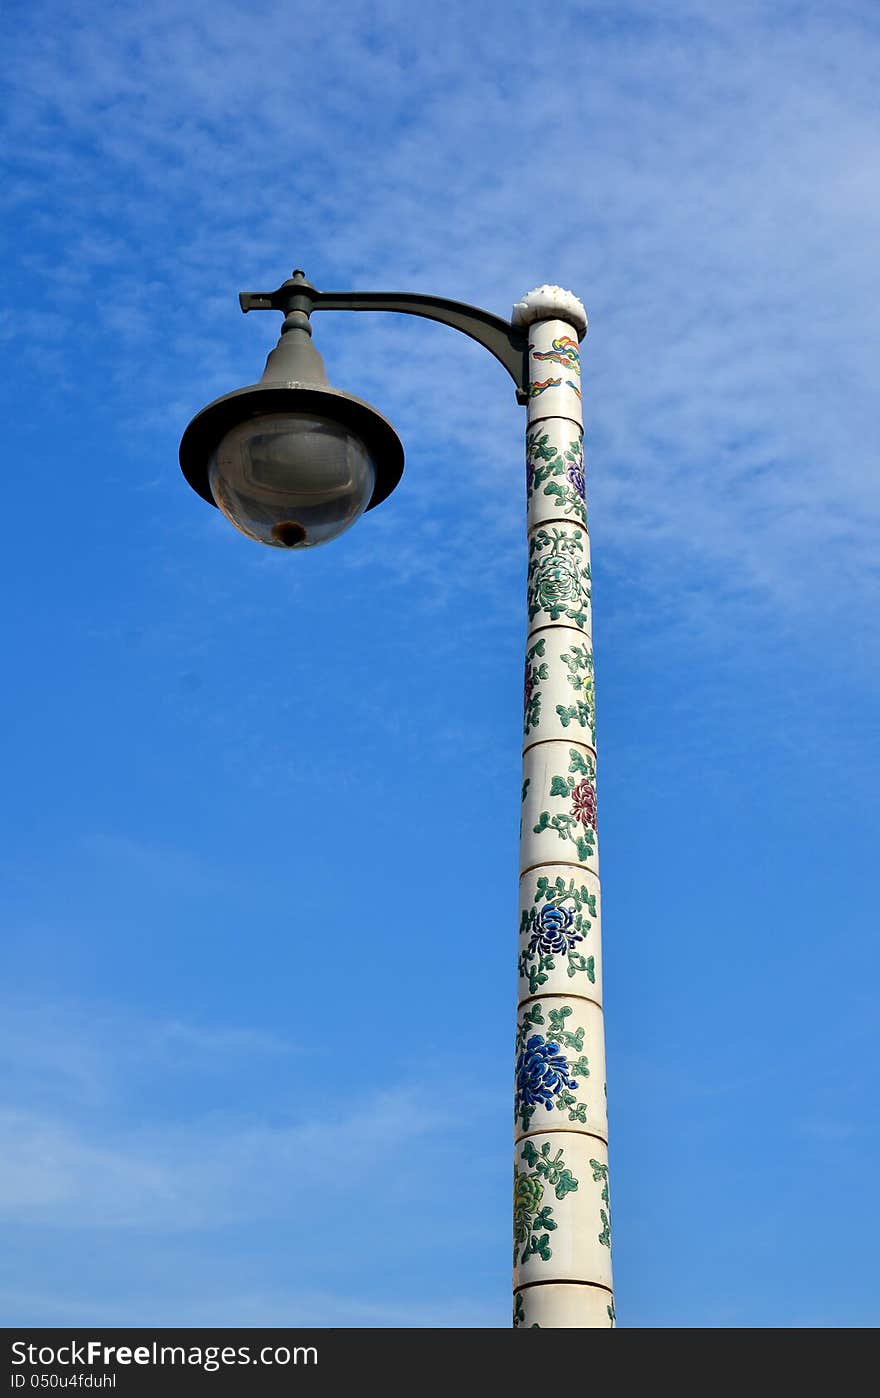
(562, 1228)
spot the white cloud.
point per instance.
(162, 867)
(253, 1309)
(208, 1173)
(92, 1134)
(108, 1135)
(704, 178)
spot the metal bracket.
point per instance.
(506, 342)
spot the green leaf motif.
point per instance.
(535, 974)
(605, 1235)
(519, 1315)
(540, 1247)
(578, 962)
(580, 713)
(544, 1219)
(553, 1169)
(558, 1017)
(564, 825)
(600, 1172)
(538, 447)
(567, 499)
(566, 1184)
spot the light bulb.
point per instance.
(291, 480)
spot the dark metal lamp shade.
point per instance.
(291, 465)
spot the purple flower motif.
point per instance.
(575, 473)
(552, 931)
(541, 1074)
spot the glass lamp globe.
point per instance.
(291, 480)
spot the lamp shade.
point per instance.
(291, 465)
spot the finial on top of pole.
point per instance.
(551, 303)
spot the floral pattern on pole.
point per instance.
(555, 929)
(561, 474)
(581, 798)
(579, 660)
(536, 670)
(519, 1315)
(600, 1172)
(533, 1221)
(540, 665)
(559, 575)
(559, 1040)
(544, 1074)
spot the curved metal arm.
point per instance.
(506, 342)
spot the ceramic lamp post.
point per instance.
(293, 462)
(562, 1231)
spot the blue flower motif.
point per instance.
(575, 473)
(541, 1074)
(552, 931)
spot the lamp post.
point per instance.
(292, 463)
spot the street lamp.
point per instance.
(293, 463)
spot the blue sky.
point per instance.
(260, 837)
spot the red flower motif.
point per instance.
(583, 803)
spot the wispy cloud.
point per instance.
(162, 866)
(208, 1173)
(256, 1308)
(90, 1136)
(706, 179)
(260, 1213)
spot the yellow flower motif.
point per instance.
(527, 1195)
